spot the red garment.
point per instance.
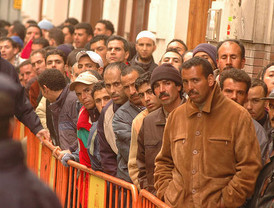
(34, 93)
(25, 54)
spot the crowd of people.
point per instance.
(192, 128)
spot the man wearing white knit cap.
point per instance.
(89, 60)
(145, 46)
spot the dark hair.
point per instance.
(53, 79)
(108, 24)
(120, 38)
(132, 50)
(7, 105)
(257, 82)
(71, 21)
(119, 65)
(13, 43)
(35, 25)
(86, 26)
(97, 86)
(41, 41)
(57, 35)
(70, 28)
(41, 51)
(130, 69)
(237, 75)
(174, 50)
(238, 42)
(31, 22)
(24, 63)
(263, 71)
(71, 59)
(180, 41)
(95, 73)
(57, 52)
(3, 32)
(19, 29)
(143, 79)
(4, 23)
(198, 61)
(96, 39)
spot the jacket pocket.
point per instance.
(174, 194)
(219, 157)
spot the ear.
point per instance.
(127, 55)
(108, 33)
(210, 80)
(179, 88)
(90, 37)
(242, 63)
(100, 70)
(217, 60)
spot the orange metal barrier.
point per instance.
(102, 190)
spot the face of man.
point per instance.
(196, 85)
(48, 94)
(38, 63)
(128, 82)
(80, 38)
(55, 61)
(68, 38)
(100, 48)
(7, 51)
(167, 92)
(178, 46)
(269, 78)
(100, 29)
(145, 47)
(83, 92)
(85, 63)
(76, 72)
(254, 104)
(101, 98)
(235, 90)
(35, 47)
(148, 99)
(271, 112)
(207, 57)
(27, 73)
(114, 87)
(229, 55)
(32, 31)
(172, 58)
(116, 52)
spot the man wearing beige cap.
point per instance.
(90, 60)
(145, 46)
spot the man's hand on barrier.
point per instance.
(62, 153)
(56, 151)
(66, 158)
(43, 134)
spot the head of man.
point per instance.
(145, 46)
(270, 105)
(38, 61)
(112, 78)
(90, 60)
(56, 59)
(198, 80)
(117, 49)
(230, 54)
(33, 31)
(45, 26)
(268, 76)
(187, 55)
(173, 57)
(27, 71)
(100, 95)
(208, 52)
(68, 31)
(104, 27)
(254, 103)
(148, 99)
(51, 82)
(83, 86)
(177, 44)
(128, 78)
(83, 33)
(71, 21)
(8, 49)
(98, 44)
(166, 84)
(55, 37)
(235, 84)
(39, 43)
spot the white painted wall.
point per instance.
(76, 9)
(30, 10)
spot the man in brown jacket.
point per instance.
(210, 155)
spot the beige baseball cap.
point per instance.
(85, 78)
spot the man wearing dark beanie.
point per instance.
(208, 52)
(166, 84)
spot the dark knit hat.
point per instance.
(207, 48)
(165, 72)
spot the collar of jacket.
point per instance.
(160, 120)
(214, 96)
(60, 100)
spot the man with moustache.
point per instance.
(202, 163)
(166, 84)
(122, 120)
(145, 46)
